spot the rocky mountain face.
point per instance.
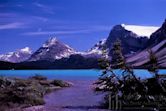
(51, 50)
(141, 59)
(157, 43)
(95, 51)
(135, 47)
(97, 48)
(130, 41)
(17, 56)
(158, 36)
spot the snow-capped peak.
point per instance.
(98, 47)
(26, 50)
(51, 41)
(17, 56)
(123, 25)
(141, 30)
(51, 50)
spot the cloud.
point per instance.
(64, 32)
(8, 5)
(44, 8)
(101, 28)
(14, 25)
(55, 32)
(141, 30)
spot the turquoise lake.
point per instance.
(80, 96)
(69, 74)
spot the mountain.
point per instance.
(97, 48)
(141, 59)
(157, 43)
(51, 50)
(135, 47)
(54, 54)
(131, 42)
(158, 36)
(95, 51)
(17, 56)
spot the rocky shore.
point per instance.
(26, 94)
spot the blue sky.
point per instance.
(79, 23)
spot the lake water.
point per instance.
(69, 74)
(79, 97)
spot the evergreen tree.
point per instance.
(107, 72)
(117, 61)
(108, 79)
(110, 82)
(153, 63)
(128, 89)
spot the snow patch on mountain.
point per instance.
(141, 30)
(94, 52)
(26, 50)
(19, 55)
(97, 48)
(50, 42)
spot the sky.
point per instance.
(78, 23)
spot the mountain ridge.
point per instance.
(135, 47)
(19, 55)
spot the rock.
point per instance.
(60, 83)
(38, 77)
(158, 36)
(35, 108)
